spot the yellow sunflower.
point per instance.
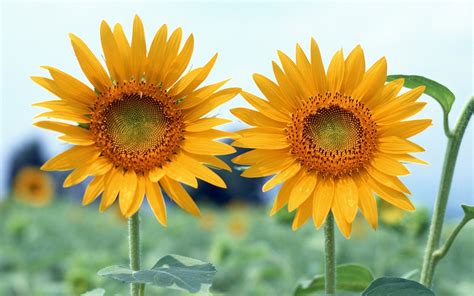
(33, 186)
(140, 128)
(332, 138)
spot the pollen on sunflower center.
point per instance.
(137, 125)
(332, 134)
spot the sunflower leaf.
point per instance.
(350, 277)
(171, 272)
(396, 287)
(434, 89)
(468, 211)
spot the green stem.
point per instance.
(134, 251)
(454, 142)
(441, 252)
(330, 266)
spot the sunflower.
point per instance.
(33, 186)
(332, 138)
(140, 127)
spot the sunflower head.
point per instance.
(33, 186)
(332, 138)
(140, 126)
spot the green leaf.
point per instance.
(434, 89)
(95, 292)
(394, 286)
(468, 211)
(349, 277)
(171, 272)
(119, 273)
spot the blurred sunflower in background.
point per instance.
(33, 186)
(332, 138)
(140, 127)
(390, 215)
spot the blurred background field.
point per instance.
(56, 249)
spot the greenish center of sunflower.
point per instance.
(333, 128)
(136, 122)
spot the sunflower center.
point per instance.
(137, 126)
(332, 134)
(333, 128)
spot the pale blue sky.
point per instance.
(425, 38)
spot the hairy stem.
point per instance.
(454, 142)
(330, 266)
(441, 252)
(134, 252)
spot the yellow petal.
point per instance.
(60, 105)
(323, 197)
(401, 113)
(373, 82)
(344, 227)
(354, 69)
(93, 190)
(138, 49)
(156, 174)
(200, 171)
(319, 75)
(336, 72)
(259, 155)
(124, 49)
(192, 80)
(263, 141)
(390, 181)
(211, 161)
(137, 200)
(171, 53)
(272, 92)
(292, 97)
(255, 118)
(211, 134)
(304, 66)
(181, 62)
(64, 115)
(200, 95)
(367, 203)
(388, 165)
(346, 194)
(156, 201)
(174, 170)
(303, 214)
(72, 158)
(90, 65)
(269, 167)
(205, 124)
(294, 75)
(113, 181)
(282, 176)
(69, 130)
(396, 145)
(177, 193)
(265, 108)
(127, 191)
(284, 194)
(207, 147)
(408, 158)
(388, 194)
(389, 105)
(156, 56)
(302, 189)
(212, 102)
(74, 89)
(113, 60)
(404, 129)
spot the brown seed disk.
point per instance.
(332, 134)
(137, 125)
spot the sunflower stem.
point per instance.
(454, 142)
(330, 249)
(134, 252)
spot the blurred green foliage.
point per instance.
(58, 249)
